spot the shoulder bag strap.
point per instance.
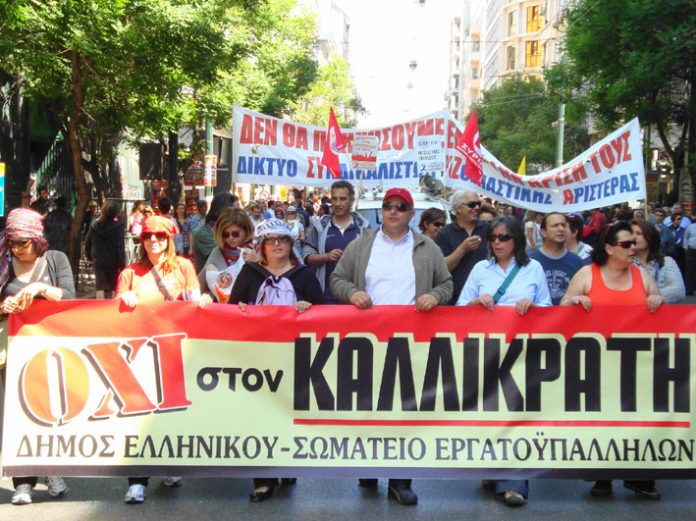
(506, 283)
(160, 285)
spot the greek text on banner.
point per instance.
(457, 392)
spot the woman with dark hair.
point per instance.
(279, 278)
(233, 234)
(574, 242)
(159, 275)
(203, 238)
(29, 270)
(613, 279)
(431, 222)
(663, 268)
(508, 278)
(105, 249)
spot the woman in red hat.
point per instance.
(158, 275)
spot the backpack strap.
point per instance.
(160, 285)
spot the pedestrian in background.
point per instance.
(57, 226)
(105, 249)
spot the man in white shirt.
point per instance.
(393, 265)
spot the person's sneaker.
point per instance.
(173, 481)
(512, 498)
(135, 494)
(56, 486)
(22, 495)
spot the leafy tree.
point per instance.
(628, 58)
(332, 88)
(517, 118)
(151, 67)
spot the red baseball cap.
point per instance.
(401, 193)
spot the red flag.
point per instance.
(333, 145)
(469, 144)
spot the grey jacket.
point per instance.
(432, 275)
(315, 240)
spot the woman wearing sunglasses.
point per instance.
(279, 278)
(30, 271)
(233, 234)
(613, 279)
(508, 278)
(431, 222)
(159, 275)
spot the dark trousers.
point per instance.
(25, 481)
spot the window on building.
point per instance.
(476, 46)
(474, 73)
(534, 19)
(532, 56)
(511, 24)
(510, 63)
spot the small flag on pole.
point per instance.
(333, 146)
(522, 170)
(469, 144)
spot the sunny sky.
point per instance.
(386, 35)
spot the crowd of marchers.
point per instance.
(482, 254)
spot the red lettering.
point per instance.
(568, 197)
(426, 128)
(246, 134)
(385, 140)
(398, 137)
(288, 134)
(410, 132)
(301, 138)
(319, 139)
(607, 156)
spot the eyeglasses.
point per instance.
(159, 236)
(280, 239)
(625, 244)
(234, 234)
(399, 207)
(502, 237)
(438, 224)
(19, 244)
(472, 204)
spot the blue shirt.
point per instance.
(487, 276)
(559, 271)
(337, 240)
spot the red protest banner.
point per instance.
(453, 392)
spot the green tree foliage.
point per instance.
(628, 58)
(332, 88)
(517, 119)
(152, 66)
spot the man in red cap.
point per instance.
(393, 265)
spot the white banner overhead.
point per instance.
(269, 150)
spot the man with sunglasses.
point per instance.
(463, 241)
(328, 237)
(389, 266)
(559, 264)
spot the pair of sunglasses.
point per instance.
(234, 234)
(281, 239)
(399, 207)
(438, 224)
(473, 204)
(159, 236)
(502, 237)
(19, 244)
(626, 244)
